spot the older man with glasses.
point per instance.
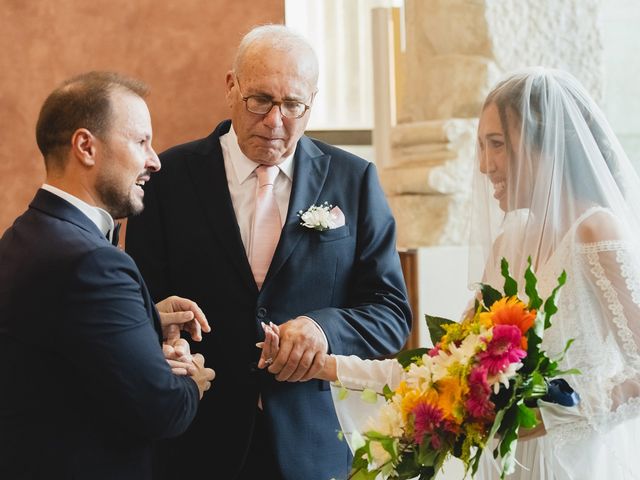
(259, 223)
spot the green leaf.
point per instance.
(489, 295)
(560, 357)
(435, 327)
(534, 339)
(343, 393)
(526, 416)
(538, 385)
(530, 287)
(510, 285)
(426, 455)
(509, 437)
(387, 392)
(407, 357)
(496, 423)
(363, 474)
(407, 467)
(361, 458)
(369, 396)
(550, 307)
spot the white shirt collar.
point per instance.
(97, 215)
(243, 165)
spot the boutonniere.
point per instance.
(322, 217)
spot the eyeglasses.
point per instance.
(262, 105)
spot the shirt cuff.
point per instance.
(326, 342)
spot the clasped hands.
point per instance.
(177, 314)
(294, 351)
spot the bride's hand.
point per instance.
(270, 346)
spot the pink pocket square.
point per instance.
(337, 217)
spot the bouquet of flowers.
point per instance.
(480, 380)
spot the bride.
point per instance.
(553, 183)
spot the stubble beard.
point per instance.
(119, 200)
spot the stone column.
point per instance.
(456, 51)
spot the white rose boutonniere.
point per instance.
(322, 217)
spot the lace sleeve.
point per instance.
(356, 374)
(612, 276)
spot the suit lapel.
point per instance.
(55, 206)
(311, 166)
(210, 181)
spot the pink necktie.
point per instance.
(266, 223)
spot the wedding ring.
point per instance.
(268, 361)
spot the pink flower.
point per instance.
(434, 351)
(478, 403)
(427, 420)
(503, 349)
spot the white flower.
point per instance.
(418, 375)
(319, 217)
(503, 377)
(467, 349)
(388, 420)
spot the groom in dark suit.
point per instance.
(222, 226)
(85, 388)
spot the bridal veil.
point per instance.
(552, 183)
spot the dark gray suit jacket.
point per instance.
(348, 279)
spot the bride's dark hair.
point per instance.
(528, 97)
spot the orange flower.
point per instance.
(450, 400)
(410, 398)
(511, 311)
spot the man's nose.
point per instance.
(273, 118)
(153, 162)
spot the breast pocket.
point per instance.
(333, 234)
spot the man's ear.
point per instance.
(83, 147)
(231, 82)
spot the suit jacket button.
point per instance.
(261, 313)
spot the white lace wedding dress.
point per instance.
(599, 307)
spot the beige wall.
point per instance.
(181, 48)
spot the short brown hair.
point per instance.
(83, 101)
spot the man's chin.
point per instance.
(135, 208)
(124, 211)
(267, 156)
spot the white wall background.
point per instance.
(620, 21)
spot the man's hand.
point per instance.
(202, 376)
(178, 356)
(177, 313)
(270, 348)
(301, 355)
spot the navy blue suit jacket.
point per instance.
(347, 279)
(85, 389)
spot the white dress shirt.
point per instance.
(243, 183)
(97, 215)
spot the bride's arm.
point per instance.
(351, 371)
